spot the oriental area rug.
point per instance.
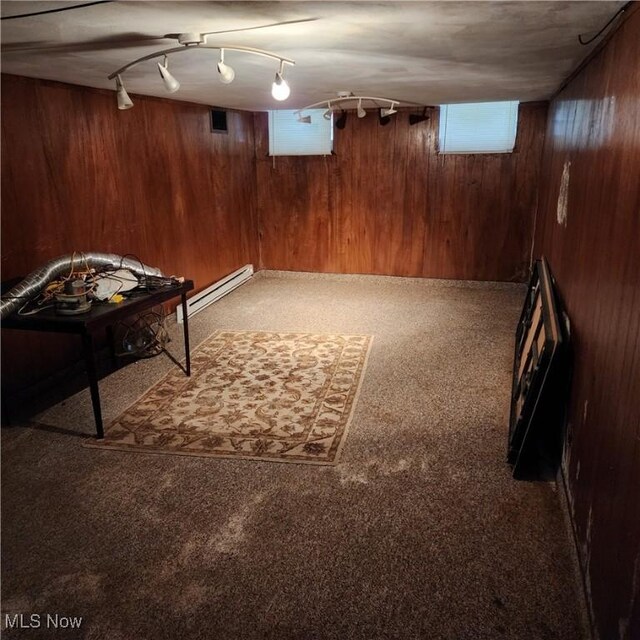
(283, 397)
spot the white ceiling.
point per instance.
(419, 52)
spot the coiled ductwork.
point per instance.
(37, 280)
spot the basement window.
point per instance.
(479, 127)
(290, 137)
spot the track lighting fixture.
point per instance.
(416, 118)
(188, 41)
(304, 119)
(389, 111)
(124, 101)
(227, 74)
(344, 98)
(280, 89)
(382, 119)
(170, 83)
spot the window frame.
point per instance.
(317, 113)
(439, 150)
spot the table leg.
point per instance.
(185, 329)
(90, 366)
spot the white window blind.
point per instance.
(288, 137)
(480, 127)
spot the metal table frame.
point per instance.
(102, 317)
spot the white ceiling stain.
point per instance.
(418, 52)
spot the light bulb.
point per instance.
(280, 90)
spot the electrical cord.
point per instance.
(107, 275)
(46, 298)
(144, 270)
(41, 13)
(615, 15)
(90, 277)
(150, 281)
(146, 336)
(22, 312)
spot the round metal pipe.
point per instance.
(37, 280)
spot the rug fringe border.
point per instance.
(193, 454)
(354, 404)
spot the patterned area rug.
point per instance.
(285, 397)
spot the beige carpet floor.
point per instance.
(418, 532)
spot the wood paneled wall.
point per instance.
(387, 203)
(594, 131)
(77, 174)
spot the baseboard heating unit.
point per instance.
(216, 291)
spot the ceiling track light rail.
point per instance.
(280, 88)
(387, 107)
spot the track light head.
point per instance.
(341, 122)
(304, 119)
(333, 105)
(417, 118)
(191, 41)
(383, 119)
(170, 83)
(389, 111)
(280, 90)
(226, 74)
(124, 101)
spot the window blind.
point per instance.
(481, 127)
(288, 137)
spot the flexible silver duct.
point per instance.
(37, 280)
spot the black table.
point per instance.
(102, 316)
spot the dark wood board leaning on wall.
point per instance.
(539, 381)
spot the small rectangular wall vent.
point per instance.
(219, 121)
(216, 291)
